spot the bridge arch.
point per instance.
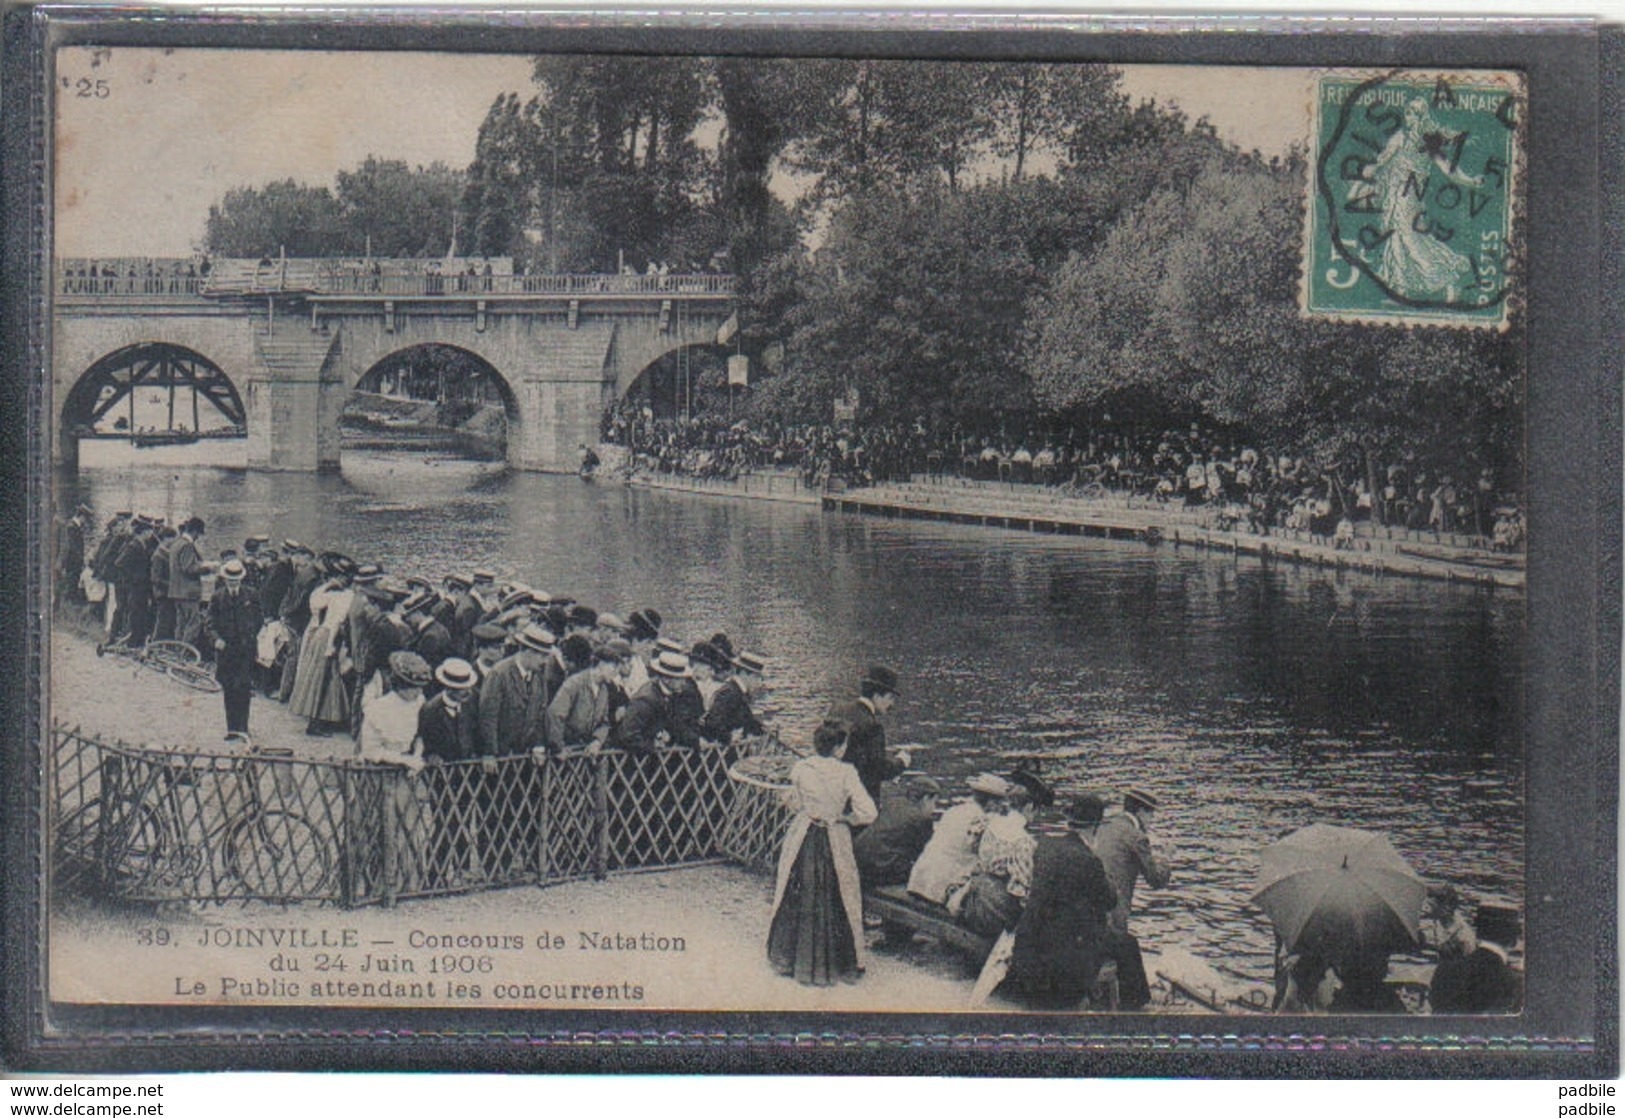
(671, 382)
(104, 401)
(464, 385)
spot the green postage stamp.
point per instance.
(1412, 216)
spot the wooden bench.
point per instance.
(900, 909)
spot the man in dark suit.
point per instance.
(70, 555)
(1061, 940)
(650, 718)
(232, 626)
(512, 715)
(865, 735)
(730, 706)
(1483, 981)
(887, 849)
(132, 579)
(449, 727)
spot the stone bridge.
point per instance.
(291, 340)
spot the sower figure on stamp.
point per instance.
(232, 626)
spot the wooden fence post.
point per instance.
(544, 821)
(600, 811)
(347, 839)
(386, 815)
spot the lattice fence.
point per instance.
(153, 825)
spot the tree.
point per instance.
(283, 216)
(397, 210)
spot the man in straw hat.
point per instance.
(448, 727)
(1060, 940)
(515, 694)
(866, 735)
(730, 712)
(232, 627)
(650, 719)
(1123, 845)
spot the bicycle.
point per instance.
(178, 660)
(134, 839)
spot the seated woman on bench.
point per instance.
(990, 902)
(949, 859)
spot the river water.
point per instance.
(1254, 700)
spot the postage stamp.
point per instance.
(1412, 215)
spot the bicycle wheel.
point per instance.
(279, 856)
(193, 676)
(132, 846)
(172, 652)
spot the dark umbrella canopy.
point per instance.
(1338, 891)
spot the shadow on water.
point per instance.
(1254, 699)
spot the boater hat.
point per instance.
(750, 662)
(1141, 797)
(989, 785)
(535, 638)
(410, 668)
(612, 622)
(457, 580)
(672, 665)
(483, 575)
(233, 570)
(368, 573)
(666, 644)
(456, 675)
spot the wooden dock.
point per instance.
(1376, 550)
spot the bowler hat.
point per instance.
(1087, 810)
(585, 616)
(1043, 795)
(410, 668)
(536, 638)
(722, 644)
(708, 654)
(644, 625)
(457, 675)
(672, 665)
(881, 679)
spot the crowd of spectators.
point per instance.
(1244, 487)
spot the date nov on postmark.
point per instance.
(1412, 215)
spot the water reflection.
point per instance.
(1256, 700)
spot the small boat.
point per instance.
(163, 438)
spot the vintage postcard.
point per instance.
(563, 532)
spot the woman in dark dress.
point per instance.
(817, 931)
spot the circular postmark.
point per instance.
(1413, 174)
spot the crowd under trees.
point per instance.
(1001, 249)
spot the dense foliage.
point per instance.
(993, 248)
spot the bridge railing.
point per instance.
(477, 286)
(131, 276)
(157, 277)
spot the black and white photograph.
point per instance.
(585, 532)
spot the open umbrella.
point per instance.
(1338, 891)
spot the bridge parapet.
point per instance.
(121, 278)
